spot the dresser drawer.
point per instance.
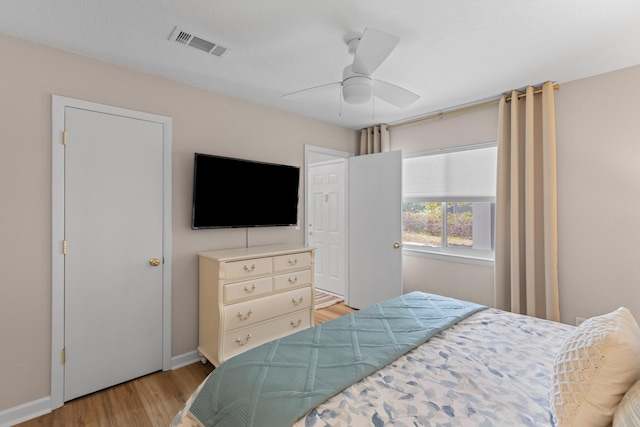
(288, 262)
(257, 310)
(247, 288)
(293, 279)
(241, 340)
(247, 268)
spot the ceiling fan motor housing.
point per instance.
(356, 88)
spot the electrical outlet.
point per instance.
(579, 320)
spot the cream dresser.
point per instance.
(249, 296)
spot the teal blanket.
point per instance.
(275, 384)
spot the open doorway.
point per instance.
(326, 216)
(353, 219)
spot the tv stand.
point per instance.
(250, 296)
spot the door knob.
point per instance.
(154, 262)
(396, 245)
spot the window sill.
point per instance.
(450, 256)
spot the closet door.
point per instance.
(113, 273)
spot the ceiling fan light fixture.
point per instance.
(357, 89)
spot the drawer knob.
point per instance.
(246, 339)
(293, 280)
(249, 269)
(298, 301)
(293, 261)
(244, 317)
(249, 291)
(296, 324)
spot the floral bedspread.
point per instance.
(492, 369)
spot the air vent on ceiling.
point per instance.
(188, 39)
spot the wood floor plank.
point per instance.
(163, 395)
(332, 312)
(124, 406)
(149, 401)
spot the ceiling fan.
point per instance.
(369, 51)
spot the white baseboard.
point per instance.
(36, 408)
(25, 412)
(185, 359)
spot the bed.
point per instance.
(427, 360)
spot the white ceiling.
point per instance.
(451, 52)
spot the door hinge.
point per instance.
(64, 355)
(64, 137)
(64, 247)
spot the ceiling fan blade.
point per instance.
(312, 91)
(374, 47)
(394, 95)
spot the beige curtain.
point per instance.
(526, 256)
(374, 139)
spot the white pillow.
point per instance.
(628, 411)
(596, 365)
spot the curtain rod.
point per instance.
(465, 109)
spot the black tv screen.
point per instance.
(233, 193)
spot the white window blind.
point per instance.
(468, 174)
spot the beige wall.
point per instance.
(598, 139)
(202, 121)
(453, 279)
(598, 149)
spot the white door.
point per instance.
(113, 218)
(326, 228)
(375, 228)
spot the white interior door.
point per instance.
(375, 228)
(113, 218)
(326, 228)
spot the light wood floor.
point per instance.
(150, 401)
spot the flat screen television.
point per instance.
(234, 193)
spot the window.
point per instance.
(448, 203)
(463, 224)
